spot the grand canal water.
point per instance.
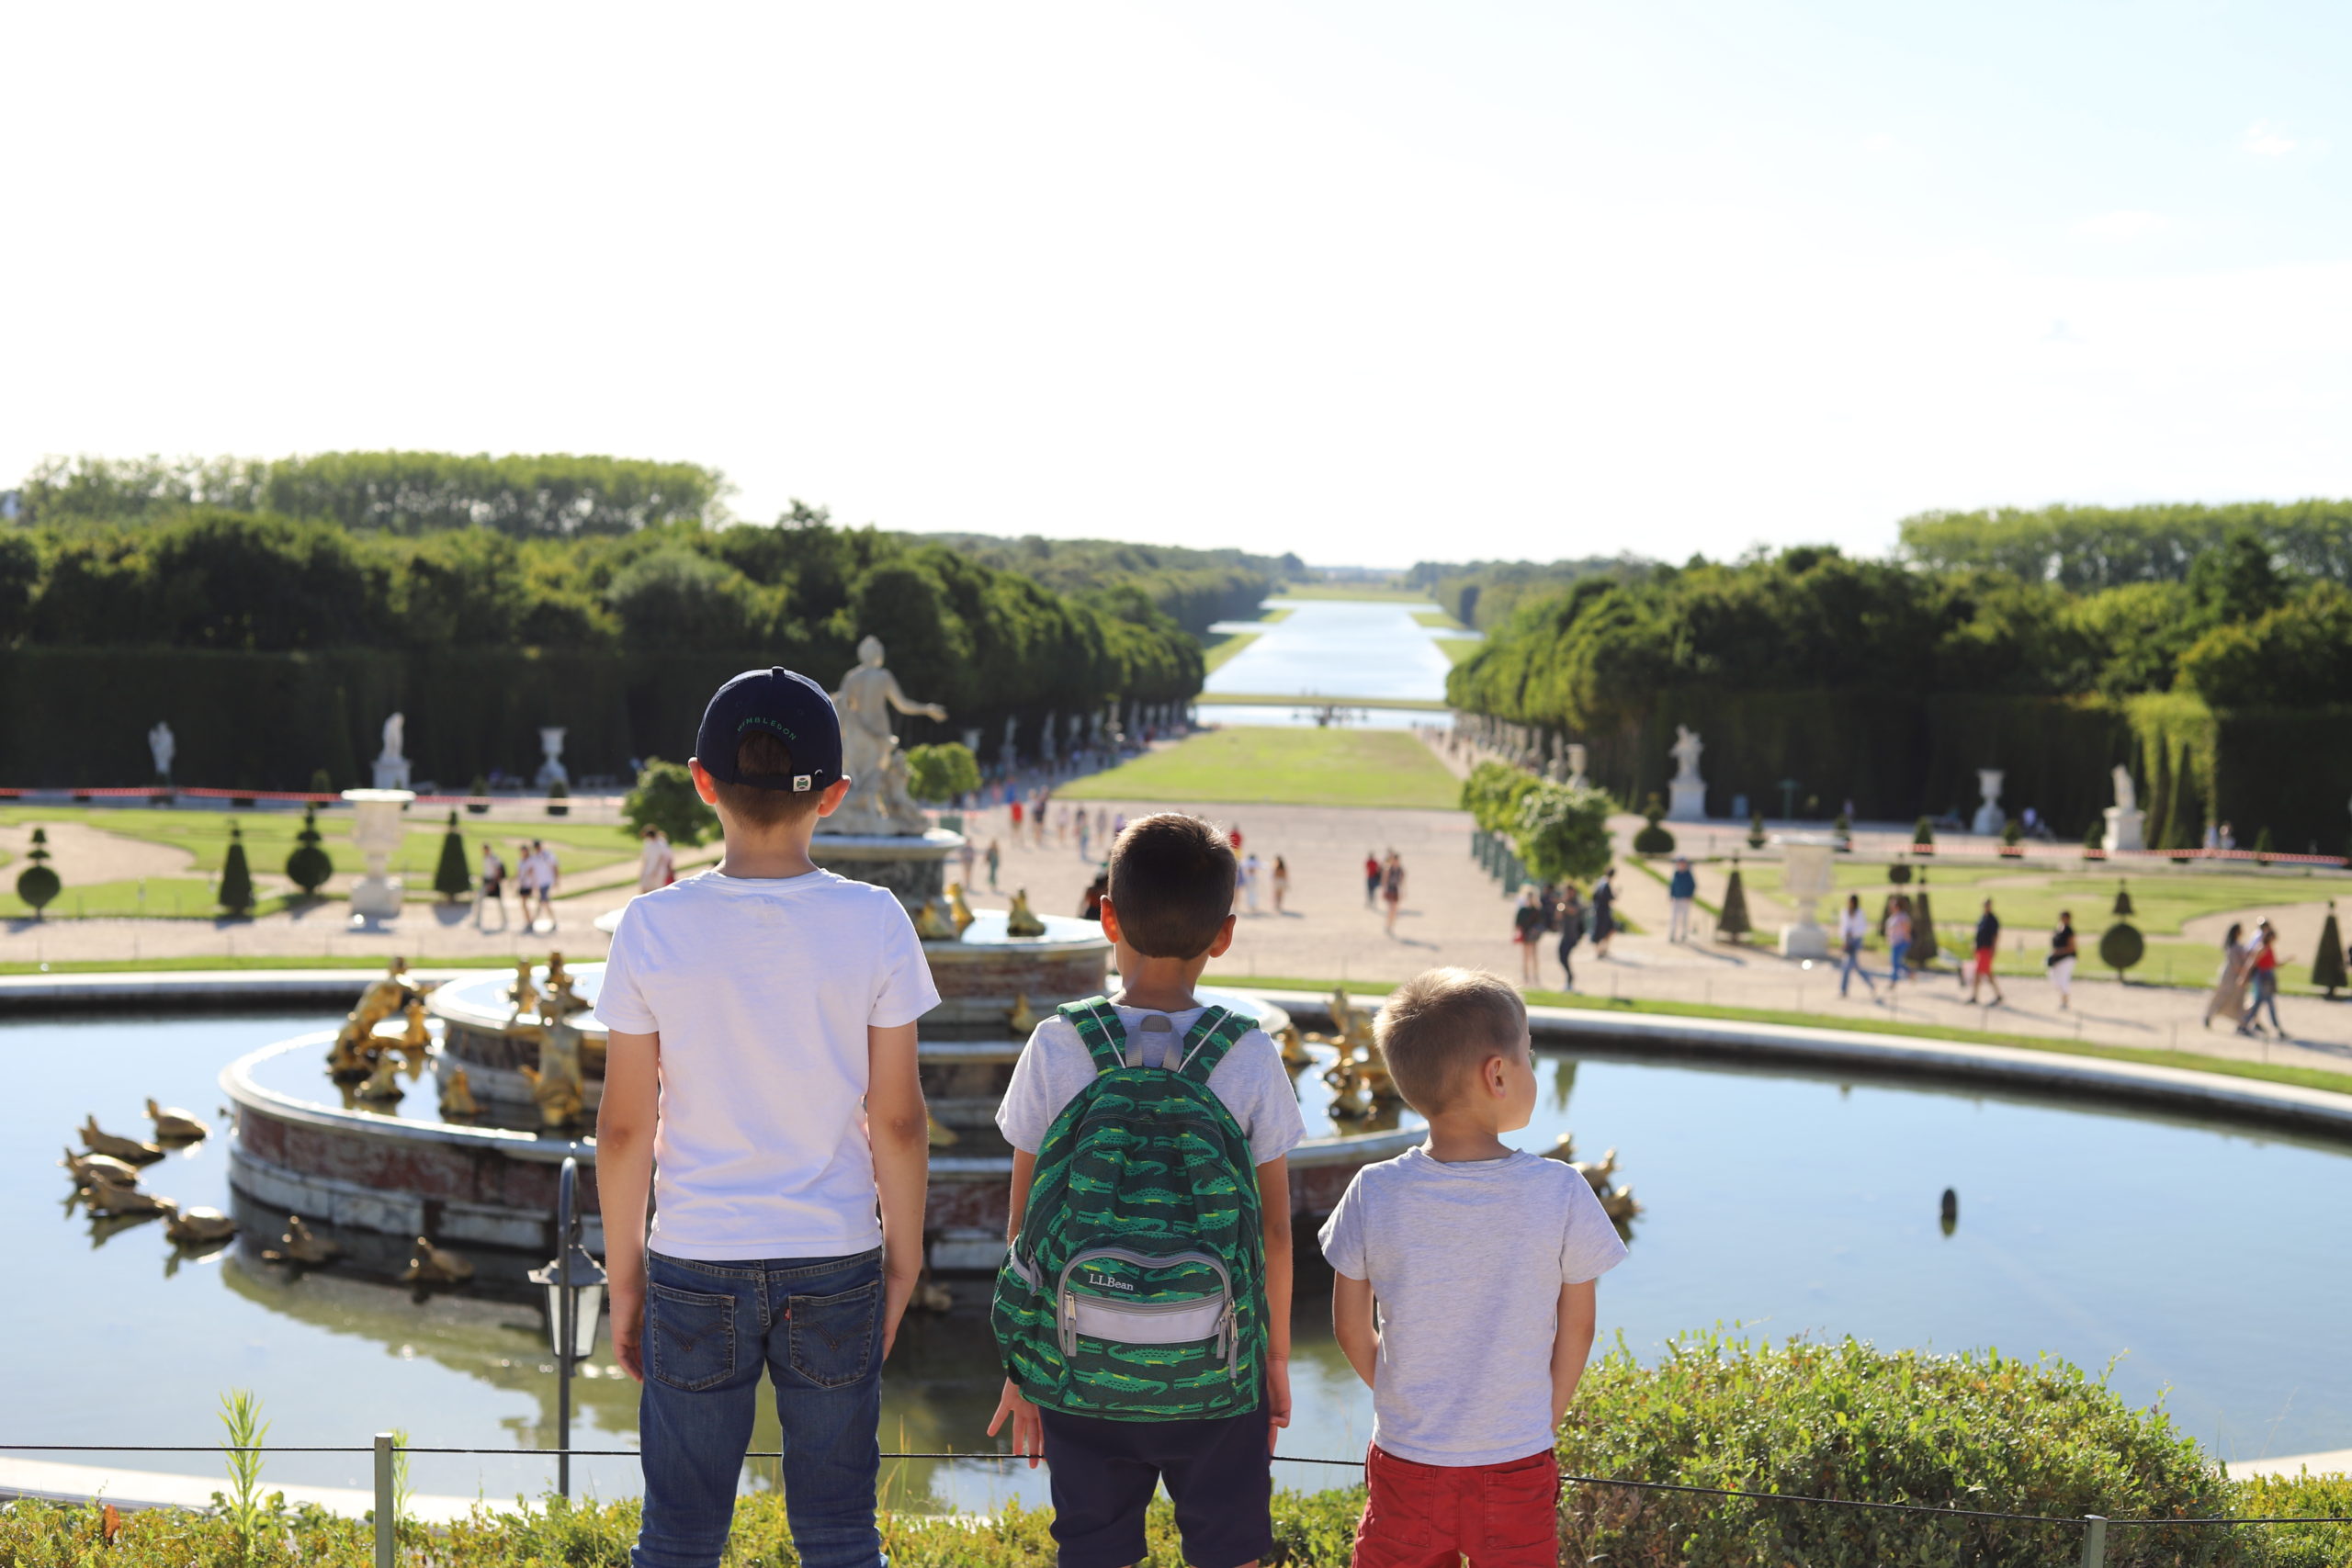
(1326, 648)
(2203, 1260)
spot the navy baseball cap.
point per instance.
(790, 706)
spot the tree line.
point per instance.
(1195, 587)
(2241, 625)
(2086, 548)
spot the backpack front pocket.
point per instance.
(1146, 1312)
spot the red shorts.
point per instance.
(1984, 961)
(1428, 1516)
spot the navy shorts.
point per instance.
(1219, 1473)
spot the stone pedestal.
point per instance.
(376, 829)
(912, 865)
(2126, 830)
(1687, 801)
(392, 773)
(1805, 879)
(1990, 818)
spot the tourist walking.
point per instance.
(1281, 882)
(1604, 912)
(1371, 878)
(2229, 986)
(1251, 867)
(2263, 979)
(1681, 891)
(493, 886)
(1853, 926)
(996, 859)
(655, 864)
(2063, 954)
(1527, 930)
(1392, 887)
(1015, 810)
(1988, 942)
(1898, 941)
(1085, 834)
(1571, 924)
(967, 855)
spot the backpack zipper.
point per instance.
(1228, 1332)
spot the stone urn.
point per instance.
(376, 829)
(1807, 877)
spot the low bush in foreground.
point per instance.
(1982, 1431)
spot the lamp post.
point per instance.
(575, 1286)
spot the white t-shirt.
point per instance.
(1851, 924)
(762, 990)
(1467, 1261)
(1252, 1082)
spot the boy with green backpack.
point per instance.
(1143, 1312)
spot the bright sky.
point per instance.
(1372, 282)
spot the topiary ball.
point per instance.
(2122, 946)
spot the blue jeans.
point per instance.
(1896, 953)
(816, 1324)
(1852, 966)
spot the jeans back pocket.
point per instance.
(689, 1336)
(833, 1337)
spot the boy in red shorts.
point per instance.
(1482, 1261)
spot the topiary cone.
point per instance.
(450, 877)
(1923, 927)
(1733, 924)
(37, 884)
(2123, 910)
(236, 877)
(309, 866)
(2327, 963)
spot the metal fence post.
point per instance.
(2093, 1540)
(387, 1503)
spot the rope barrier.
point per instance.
(1282, 1458)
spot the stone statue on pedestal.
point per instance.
(162, 748)
(1988, 820)
(552, 770)
(1008, 755)
(1687, 796)
(2126, 823)
(391, 766)
(878, 803)
(1575, 766)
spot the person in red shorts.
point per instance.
(1989, 941)
(1481, 1260)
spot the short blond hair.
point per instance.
(1441, 1023)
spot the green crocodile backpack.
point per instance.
(1136, 1291)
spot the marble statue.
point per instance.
(552, 770)
(1009, 754)
(2127, 825)
(877, 804)
(1045, 739)
(391, 765)
(162, 748)
(1576, 754)
(1687, 795)
(1989, 819)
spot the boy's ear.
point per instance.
(1110, 919)
(835, 793)
(1224, 938)
(703, 785)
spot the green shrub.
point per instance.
(558, 799)
(1923, 832)
(1755, 836)
(236, 877)
(321, 783)
(1563, 833)
(2095, 837)
(309, 866)
(2327, 959)
(1653, 839)
(1978, 1430)
(2311, 1497)
(450, 877)
(1492, 793)
(665, 798)
(37, 884)
(1733, 924)
(480, 789)
(936, 775)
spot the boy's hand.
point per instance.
(1028, 1431)
(626, 1294)
(1277, 1399)
(898, 1289)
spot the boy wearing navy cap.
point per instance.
(759, 1086)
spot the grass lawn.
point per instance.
(1439, 619)
(1459, 650)
(1215, 653)
(269, 839)
(2160, 902)
(2307, 1077)
(260, 962)
(1246, 764)
(1368, 592)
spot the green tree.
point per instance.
(1563, 833)
(665, 798)
(2327, 959)
(938, 774)
(1492, 793)
(236, 893)
(309, 866)
(1651, 839)
(1734, 922)
(37, 884)
(451, 879)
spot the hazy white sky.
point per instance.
(1371, 282)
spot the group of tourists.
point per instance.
(2248, 983)
(763, 1162)
(1254, 874)
(535, 877)
(1558, 908)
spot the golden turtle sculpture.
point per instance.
(87, 1168)
(128, 1150)
(199, 1227)
(958, 908)
(106, 1197)
(1020, 919)
(174, 1125)
(458, 1094)
(298, 1245)
(431, 1265)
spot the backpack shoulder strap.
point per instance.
(1214, 1034)
(1099, 1029)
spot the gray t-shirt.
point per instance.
(1252, 1082)
(1466, 1261)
